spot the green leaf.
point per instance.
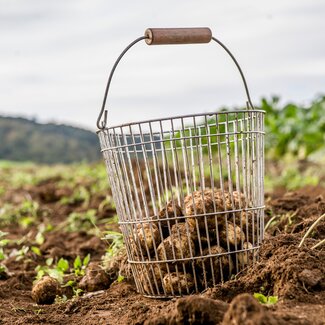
(4, 242)
(86, 260)
(36, 250)
(272, 300)
(39, 238)
(49, 261)
(56, 274)
(2, 255)
(40, 274)
(3, 269)
(120, 278)
(63, 265)
(70, 283)
(261, 298)
(77, 263)
(77, 292)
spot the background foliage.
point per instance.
(294, 130)
(291, 131)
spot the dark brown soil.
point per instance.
(295, 275)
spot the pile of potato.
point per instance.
(188, 235)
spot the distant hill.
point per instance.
(26, 140)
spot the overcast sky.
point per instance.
(55, 57)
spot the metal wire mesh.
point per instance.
(189, 195)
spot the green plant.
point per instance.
(75, 289)
(24, 214)
(3, 271)
(59, 270)
(80, 194)
(36, 250)
(3, 243)
(42, 229)
(77, 221)
(270, 300)
(293, 129)
(20, 253)
(55, 271)
(79, 266)
(107, 202)
(116, 243)
(120, 278)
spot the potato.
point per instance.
(202, 203)
(145, 237)
(181, 284)
(208, 201)
(212, 239)
(246, 258)
(182, 245)
(248, 219)
(238, 200)
(151, 276)
(235, 235)
(184, 228)
(222, 265)
(171, 210)
(245, 217)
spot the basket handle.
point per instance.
(158, 36)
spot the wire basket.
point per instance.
(188, 189)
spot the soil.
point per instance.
(295, 275)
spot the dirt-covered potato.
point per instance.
(171, 210)
(45, 290)
(209, 201)
(206, 202)
(181, 284)
(236, 201)
(184, 228)
(200, 203)
(144, 238)
(175, 247)
(235, 235)
(248, 219)
(220, 266)
(211, 237)
(151, 276)
(247, 257)
(243, 217)
(200, 237)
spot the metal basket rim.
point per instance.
(180, 116)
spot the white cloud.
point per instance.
(55, 56)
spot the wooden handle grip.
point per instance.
(158, 36)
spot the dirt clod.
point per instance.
(198, 310)
(45, 290)
(95, 279)
(311, 278)
(246, 310)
